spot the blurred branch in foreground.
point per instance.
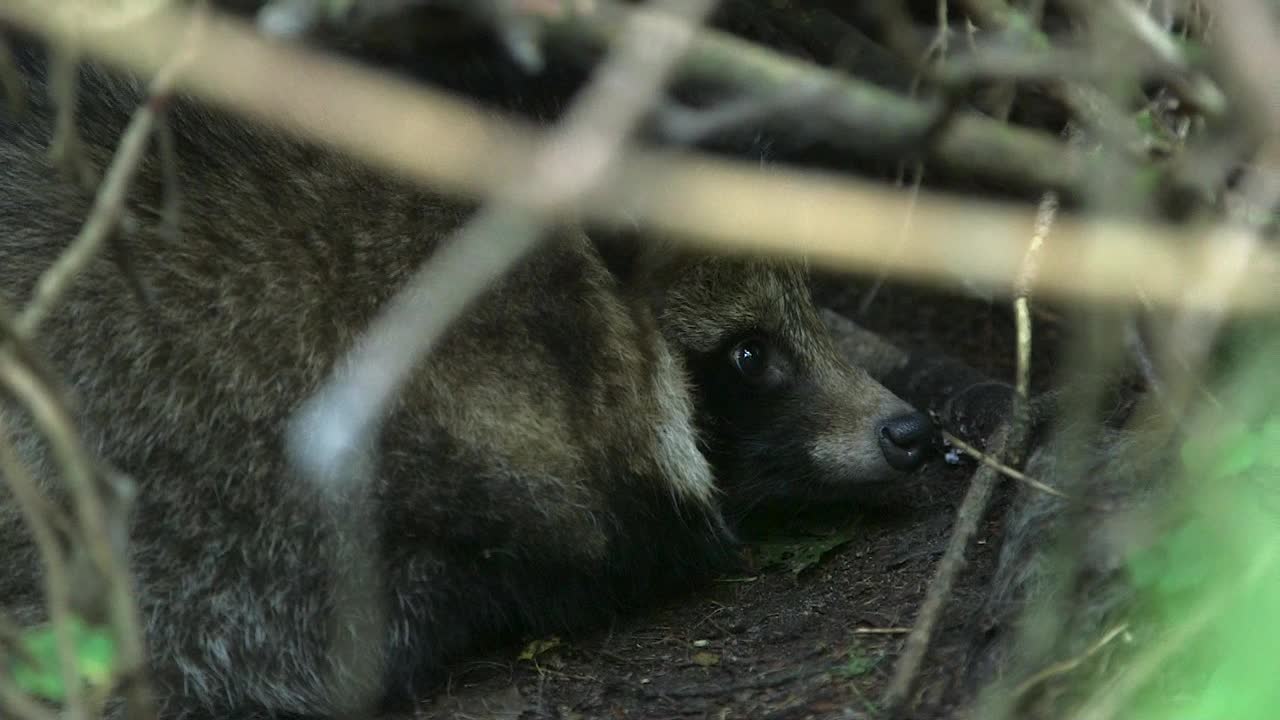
(450, 145)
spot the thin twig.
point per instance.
(1109, 702)
(79, 471)
(334, 426)
(1045, 216)
(898, 694)
(881, 631)
(109, 202)
(868, 117)
(1065, 666)
(1003, 469)
(55, 422)
(57, 585)
(1245, 38)
(1246, 43)
(64, 147)
(13, 700)
(1007, 441)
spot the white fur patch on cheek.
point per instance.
(678, 456)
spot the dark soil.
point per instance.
(820, 643)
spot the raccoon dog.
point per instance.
(585, 436)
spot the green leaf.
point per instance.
(800, 554)
(40, 671)
(859, 664)
(537, 647)
(1146, 122)
(706, 659)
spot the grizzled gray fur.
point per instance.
(1060, 581)
(584, 438)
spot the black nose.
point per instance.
(904, 440)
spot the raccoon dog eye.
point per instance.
(751, 359)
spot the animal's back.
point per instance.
(538, 467)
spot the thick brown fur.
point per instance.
(569, 449)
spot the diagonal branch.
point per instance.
(334, 427)
(435, 139)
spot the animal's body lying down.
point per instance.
(585, 436)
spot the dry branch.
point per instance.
(1070, 664)
(108, 205)
(1008, 450)
(330, 436)
(583, 151)
(1246, 39)
(1161, 53)
(843, 223)
(897, 696)
(13, 700)
(442, 142)
(57, 583)
(78, 468)
(1009, 472)
(1022, 291)
(867, 116)
(81, 474)
(64, 148)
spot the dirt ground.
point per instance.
(814, 631)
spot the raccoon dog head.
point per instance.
(784, 419)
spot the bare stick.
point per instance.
(844, 221)
(64, 146)
(79, 472)
(57, 586)
(897, 696)
(333, 429)
(1159, 47)
(109, 202)
(55, 423)
(1007, 441)
(1009, 472)
(1109, 702)
(1066, 666)
(329, 438)
(1021, 306)
(870, 117)
(1246, 39)
(13, 700)
(102, 221)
